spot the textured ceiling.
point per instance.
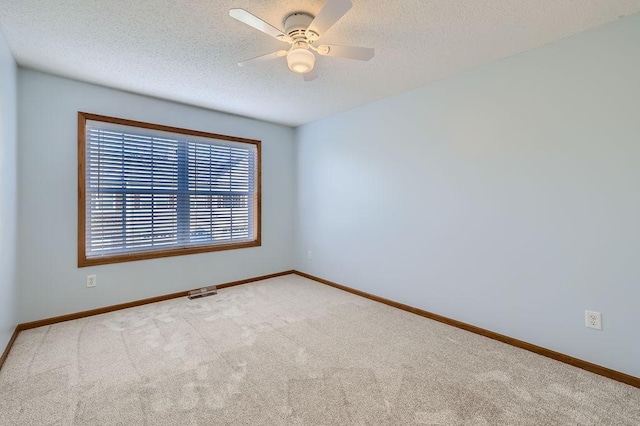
(187, 51)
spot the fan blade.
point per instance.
(310, 76)
(330, 13)
(255, 22)
(268, 56)
(350, 52)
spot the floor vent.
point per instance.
(202, 292)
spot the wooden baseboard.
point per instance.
(5, 354)
(585, 365)
(98, 311)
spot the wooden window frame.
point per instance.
(157, 253)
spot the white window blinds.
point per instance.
(148, 190)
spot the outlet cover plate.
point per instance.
(593, 319)
(92, 280)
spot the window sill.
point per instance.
(155, 254)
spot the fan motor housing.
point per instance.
(296, 24)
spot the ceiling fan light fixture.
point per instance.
(301, 30)
(300, 60)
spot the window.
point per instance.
(149, 191)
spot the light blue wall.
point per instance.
(8, 194)
(50, 282)
(507, 197)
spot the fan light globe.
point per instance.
(300, 60)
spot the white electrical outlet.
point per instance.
(309, 255)
(593, 319)
(92, 280)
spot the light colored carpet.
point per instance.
(293, 352)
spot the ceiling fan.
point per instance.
(301, 31)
